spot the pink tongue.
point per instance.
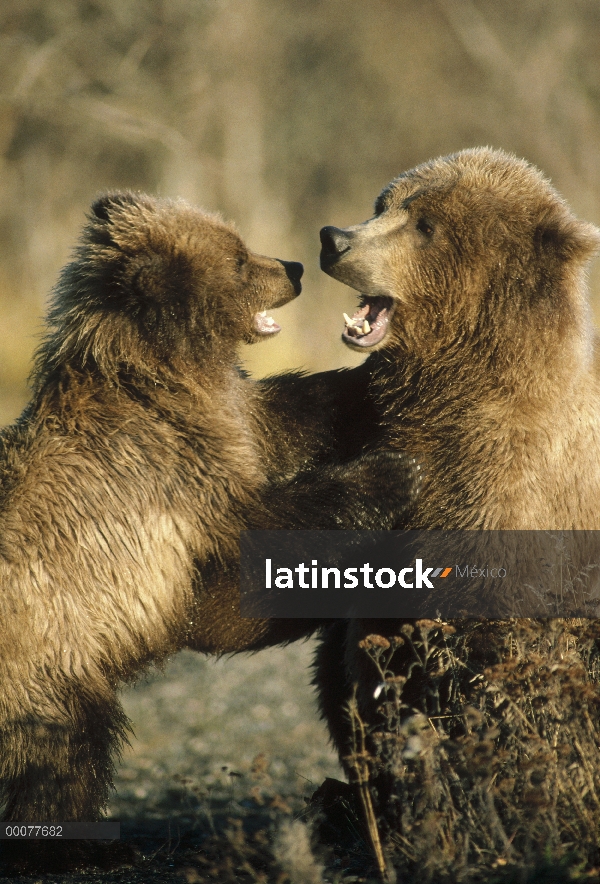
(376, 312)
(265, 325)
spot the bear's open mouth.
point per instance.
(369, 325)
(265, 325)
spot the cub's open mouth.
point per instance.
(265, 325)
(369, 325)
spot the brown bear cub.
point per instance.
(141, 456)
(483, 362)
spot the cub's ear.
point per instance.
(564, 237)
(113, 210)
(102, 206)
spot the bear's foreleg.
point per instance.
(57, 766)
(371, 492)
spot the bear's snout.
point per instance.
(294, 271)
(334, 242)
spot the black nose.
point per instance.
(334, 242)
(294, 271)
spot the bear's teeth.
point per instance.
(356, 326)
(264, 313)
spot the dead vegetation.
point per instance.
(496, 773)
(493, 776)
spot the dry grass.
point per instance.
(496, 772)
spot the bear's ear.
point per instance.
(101, 207)
(106, 209)
(566, 238)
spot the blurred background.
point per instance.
(284, 116)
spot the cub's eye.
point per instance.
(240, 262)
(424, 227)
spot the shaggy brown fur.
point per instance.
(127, 480)
(485, 363)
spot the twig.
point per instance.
(359, 762)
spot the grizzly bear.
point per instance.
(126, 481)
(483, 366)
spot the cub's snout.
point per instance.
(294, 271)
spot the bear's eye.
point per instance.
(424, 227)
(240, 262)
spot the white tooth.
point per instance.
(347, 320)
(270, 320)
(264, 313)
(366, 327)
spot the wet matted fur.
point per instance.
(126, 482)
